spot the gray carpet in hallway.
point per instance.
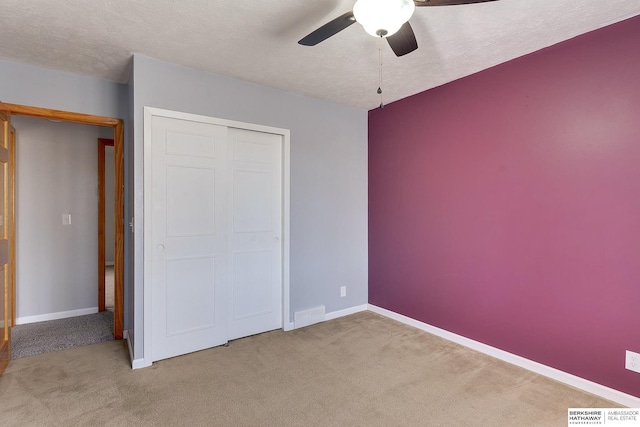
(53, 335)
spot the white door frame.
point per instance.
(149, 112)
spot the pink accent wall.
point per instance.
(505, 206)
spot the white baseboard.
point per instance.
(346, 312)
(290, 326)
(141, 363)
(135, 363)
(556, 374)
(55, 316)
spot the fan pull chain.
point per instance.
(380, 75)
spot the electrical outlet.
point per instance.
(632, 361)
(343, 291)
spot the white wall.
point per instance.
(56, 174)
(328, 176)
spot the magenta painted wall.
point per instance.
(505, 206)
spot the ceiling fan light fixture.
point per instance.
(383, 18)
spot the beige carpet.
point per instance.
(361, 370)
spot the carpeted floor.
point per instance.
(360, 370)
(54, 335)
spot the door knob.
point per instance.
(161, 247)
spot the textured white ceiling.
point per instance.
(257, 40)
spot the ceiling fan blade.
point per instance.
(447, 2)
(404, 41)
(329, 29)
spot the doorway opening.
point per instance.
(118, 209)
(106, 243)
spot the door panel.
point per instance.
(255, 241)
(252, 197)
(251, 297)
(182, 218)
(189, 237)
(190, 307)
(6, 219)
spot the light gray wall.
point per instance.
(56, 174)
(328, 176)
(109, 225)
(39, 87)
(29, 85)
(328, 166)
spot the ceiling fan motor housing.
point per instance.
(383, 18)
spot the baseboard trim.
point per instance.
(290, 326)
(135, 363)
(55, 316)
(553, 373)
(346, 312)
(140, 363)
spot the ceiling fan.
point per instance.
(382, 18)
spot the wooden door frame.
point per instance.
(102, 144)
(12, 224)
(118, 143)
(7, 289)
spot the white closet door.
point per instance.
(189, 236)
(255, 235)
